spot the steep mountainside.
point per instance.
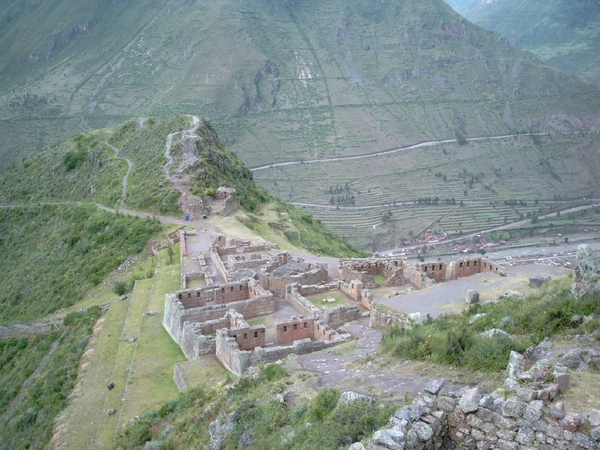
(281, 80)
(563, 33)
(460, 4)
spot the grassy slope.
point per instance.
(288, 81)
(563, 33)
(281, 80)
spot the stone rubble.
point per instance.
(520, 416)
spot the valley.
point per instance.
(296, 225)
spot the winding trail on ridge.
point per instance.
(125, 178)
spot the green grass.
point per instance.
(340, 297)
(452, 340)
(31, 421)
(254, 403)
(55, 253)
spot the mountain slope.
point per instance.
(564, 34)
(280, 80)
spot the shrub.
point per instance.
(324, 403)
(274, 372)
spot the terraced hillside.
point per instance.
(279, 80)
(299, 81)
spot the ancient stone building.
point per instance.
(365, 271)
(466, 267)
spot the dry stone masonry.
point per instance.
(521, 416)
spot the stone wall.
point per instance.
(299, 302)
(355, 291)
(216, 260)
(466, 267)
(313, 275)
(178, 378)
(522, 415)
(229, 353)
(176, 315)
(336, 317)
(587, 272)
(231, 204)
(238, 361)
(241, 261)
(294, 329)
(239, 246)
(222, 293)
(434, 270)
(194, 343)
(365, 270)
(384, 317)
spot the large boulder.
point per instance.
(587, 272)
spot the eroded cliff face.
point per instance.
(587, 272)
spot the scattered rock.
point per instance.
(434, 386)
(469, 402)
(110, 386)
(572, 360)
(587, 271)
(496, 333)
(516, 364)
(536, 282)
(510, 294)
(476, 317)
(111, 411)
(350, 397)
(247, 440)
(472, 296)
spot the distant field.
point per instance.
(370, 200)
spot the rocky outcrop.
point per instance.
(522, 415)
(587, 272)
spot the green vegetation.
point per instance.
(218, 166)
(51, 255)
(19, 357)
(454, 340)
(30, 421)
(564, 34)
(258, 418)
(144, 145)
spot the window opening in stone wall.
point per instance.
(189, 295)
(305, 325)
(461, 264)
(295, 326)
(285, 329)
(256, 334)
(245, 335)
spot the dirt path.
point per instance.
(358, 368)
(130, 164)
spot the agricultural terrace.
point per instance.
(454, 188)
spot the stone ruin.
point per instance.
(365, 271)
(212, 319)
(587, 272)
(465, 267)
(523, 415)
